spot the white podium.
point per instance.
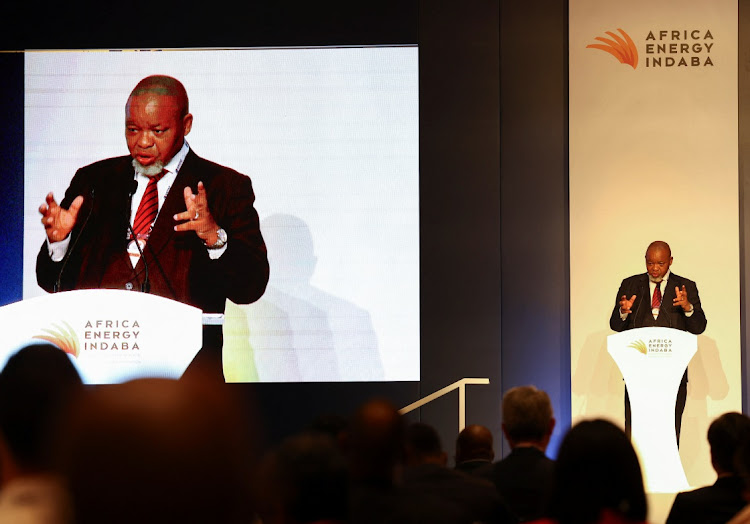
(653, 361)
(110, 335)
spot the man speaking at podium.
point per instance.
(659, 298)
(160, 220)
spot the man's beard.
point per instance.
(152, 170)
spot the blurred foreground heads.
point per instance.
(36, 385)
(304, 480)
(723, 499)
(157, 450)
(597, 477)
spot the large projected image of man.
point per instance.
(659, 298)
(193, 219)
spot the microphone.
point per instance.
(640, 301)
(146, 284)
(133, 188)
(58, 282)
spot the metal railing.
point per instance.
(461, 387)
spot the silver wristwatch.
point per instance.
(221, 239)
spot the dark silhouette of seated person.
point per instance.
(474, 451)
(524, 478)
(157, 450)
(304, 480)
(598, 478)
(374, 447)
(474, 499)
(742, 464)
(723, 499)
(36, 386)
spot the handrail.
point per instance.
(460, 385)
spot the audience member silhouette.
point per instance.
(304, 480)
(36, 385)
(374, 448)
(462, 496)
(474, 452)
(525, 478)
(742, 465)
(157, 450)
(721, 501)
(598, 478)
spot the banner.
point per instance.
(653, 156)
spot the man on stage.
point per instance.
(160, 220)
(659, 298)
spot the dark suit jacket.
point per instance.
(477, 468)
(525, 480)
(669, 315)
(178, 263)
(466, 498)
(710, 504)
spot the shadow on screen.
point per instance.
(297, 332)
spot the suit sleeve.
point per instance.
(615, 322)
(695, 323)
(243, 269)
(47, 270)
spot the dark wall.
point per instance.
(534, 173)
(460, 209)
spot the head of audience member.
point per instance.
(474, 442)
(158, 450)
(422, 445)
(303, 480)
(725, 435)
(374, 442)
(527, 417)
(597, 476)
(36, 386)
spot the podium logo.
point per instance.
(620, 46)
(640, 345)
(63, 337)
(660, 346)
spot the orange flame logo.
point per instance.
(622, 48)
(63, 337)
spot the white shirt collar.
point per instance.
(174, 165)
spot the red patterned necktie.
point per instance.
(148, 208)
(656, 300)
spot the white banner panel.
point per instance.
(653, 156)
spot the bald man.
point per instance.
(192, 219)
(659, 298)
(474, 451)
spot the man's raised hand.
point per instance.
(681, 299)
(59, 222)
(626, 305)
(197, 216)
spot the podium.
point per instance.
(110, 335)
(652, 361)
